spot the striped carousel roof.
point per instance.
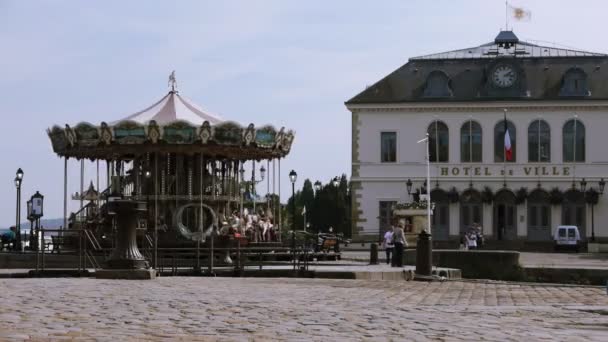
(173, 107)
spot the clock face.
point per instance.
(504, 76)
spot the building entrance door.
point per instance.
(505, 213)
(470, 210)
(440, 221)
(573, 211)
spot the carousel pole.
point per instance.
(274, 181)
(268, 186)
(240, 188)
(81, 182)
(201, 226)
(155, 261)
(280, 206)
(253, 188)
(98, 190)
(65, 194)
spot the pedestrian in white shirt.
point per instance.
(387, 243)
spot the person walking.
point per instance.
(398, 244)
(471, 240)
(387, 243)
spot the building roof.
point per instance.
(540, 74)
(174, 107)
(520, 49)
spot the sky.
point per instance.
(285, 63)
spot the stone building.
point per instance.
(554, 104)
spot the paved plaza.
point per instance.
(263, 309)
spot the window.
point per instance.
(539, 141)
(438, 141)
(574, 141)
(470, 142)
(388, 147)
(574, 83)
(385, 214)
(499, 141)
(437, 85)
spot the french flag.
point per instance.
(508, 150)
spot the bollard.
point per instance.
(424, 254)
(373, 254)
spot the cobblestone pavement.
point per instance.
(526, 259)
(260, 309)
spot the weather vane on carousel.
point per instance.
(172, 81)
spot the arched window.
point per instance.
(574, 83)
(437, 85)
(438, 142)
(574, 141)
(470, 142)
(539, 141)
(499, 141)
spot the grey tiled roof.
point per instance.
(540, 74)
(523, 49)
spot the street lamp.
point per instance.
(37, 203)
(317, 186)
(336, 182)
(583, 184)
(293, 176)
(408, 185)
(18, 181)
(31, 219)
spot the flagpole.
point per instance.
(506, 15)
(504, 152)
(574, 153)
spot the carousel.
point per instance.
(187, 165)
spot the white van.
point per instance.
(567, 237)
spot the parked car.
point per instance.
(567, 237)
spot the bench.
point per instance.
(328, 244)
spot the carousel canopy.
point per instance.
(173, 107)
(171, 125)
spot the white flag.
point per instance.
(520, 13)
(304, 210)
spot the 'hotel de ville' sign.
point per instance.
(499, 170)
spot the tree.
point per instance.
(330, 206)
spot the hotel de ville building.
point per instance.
(552, 101)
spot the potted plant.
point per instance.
(521, 195)
(487, 195)
(453, 195)
(556, 196)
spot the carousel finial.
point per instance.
(172, 81)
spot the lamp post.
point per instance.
(601, 185)
(31, 219)
(293, 176)
(317, 187)
(18, 181)
(424, 245)
(408, 186)
(37, 211)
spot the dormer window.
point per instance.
(574, 83)
(437, 85)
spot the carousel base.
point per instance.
(133, 274)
